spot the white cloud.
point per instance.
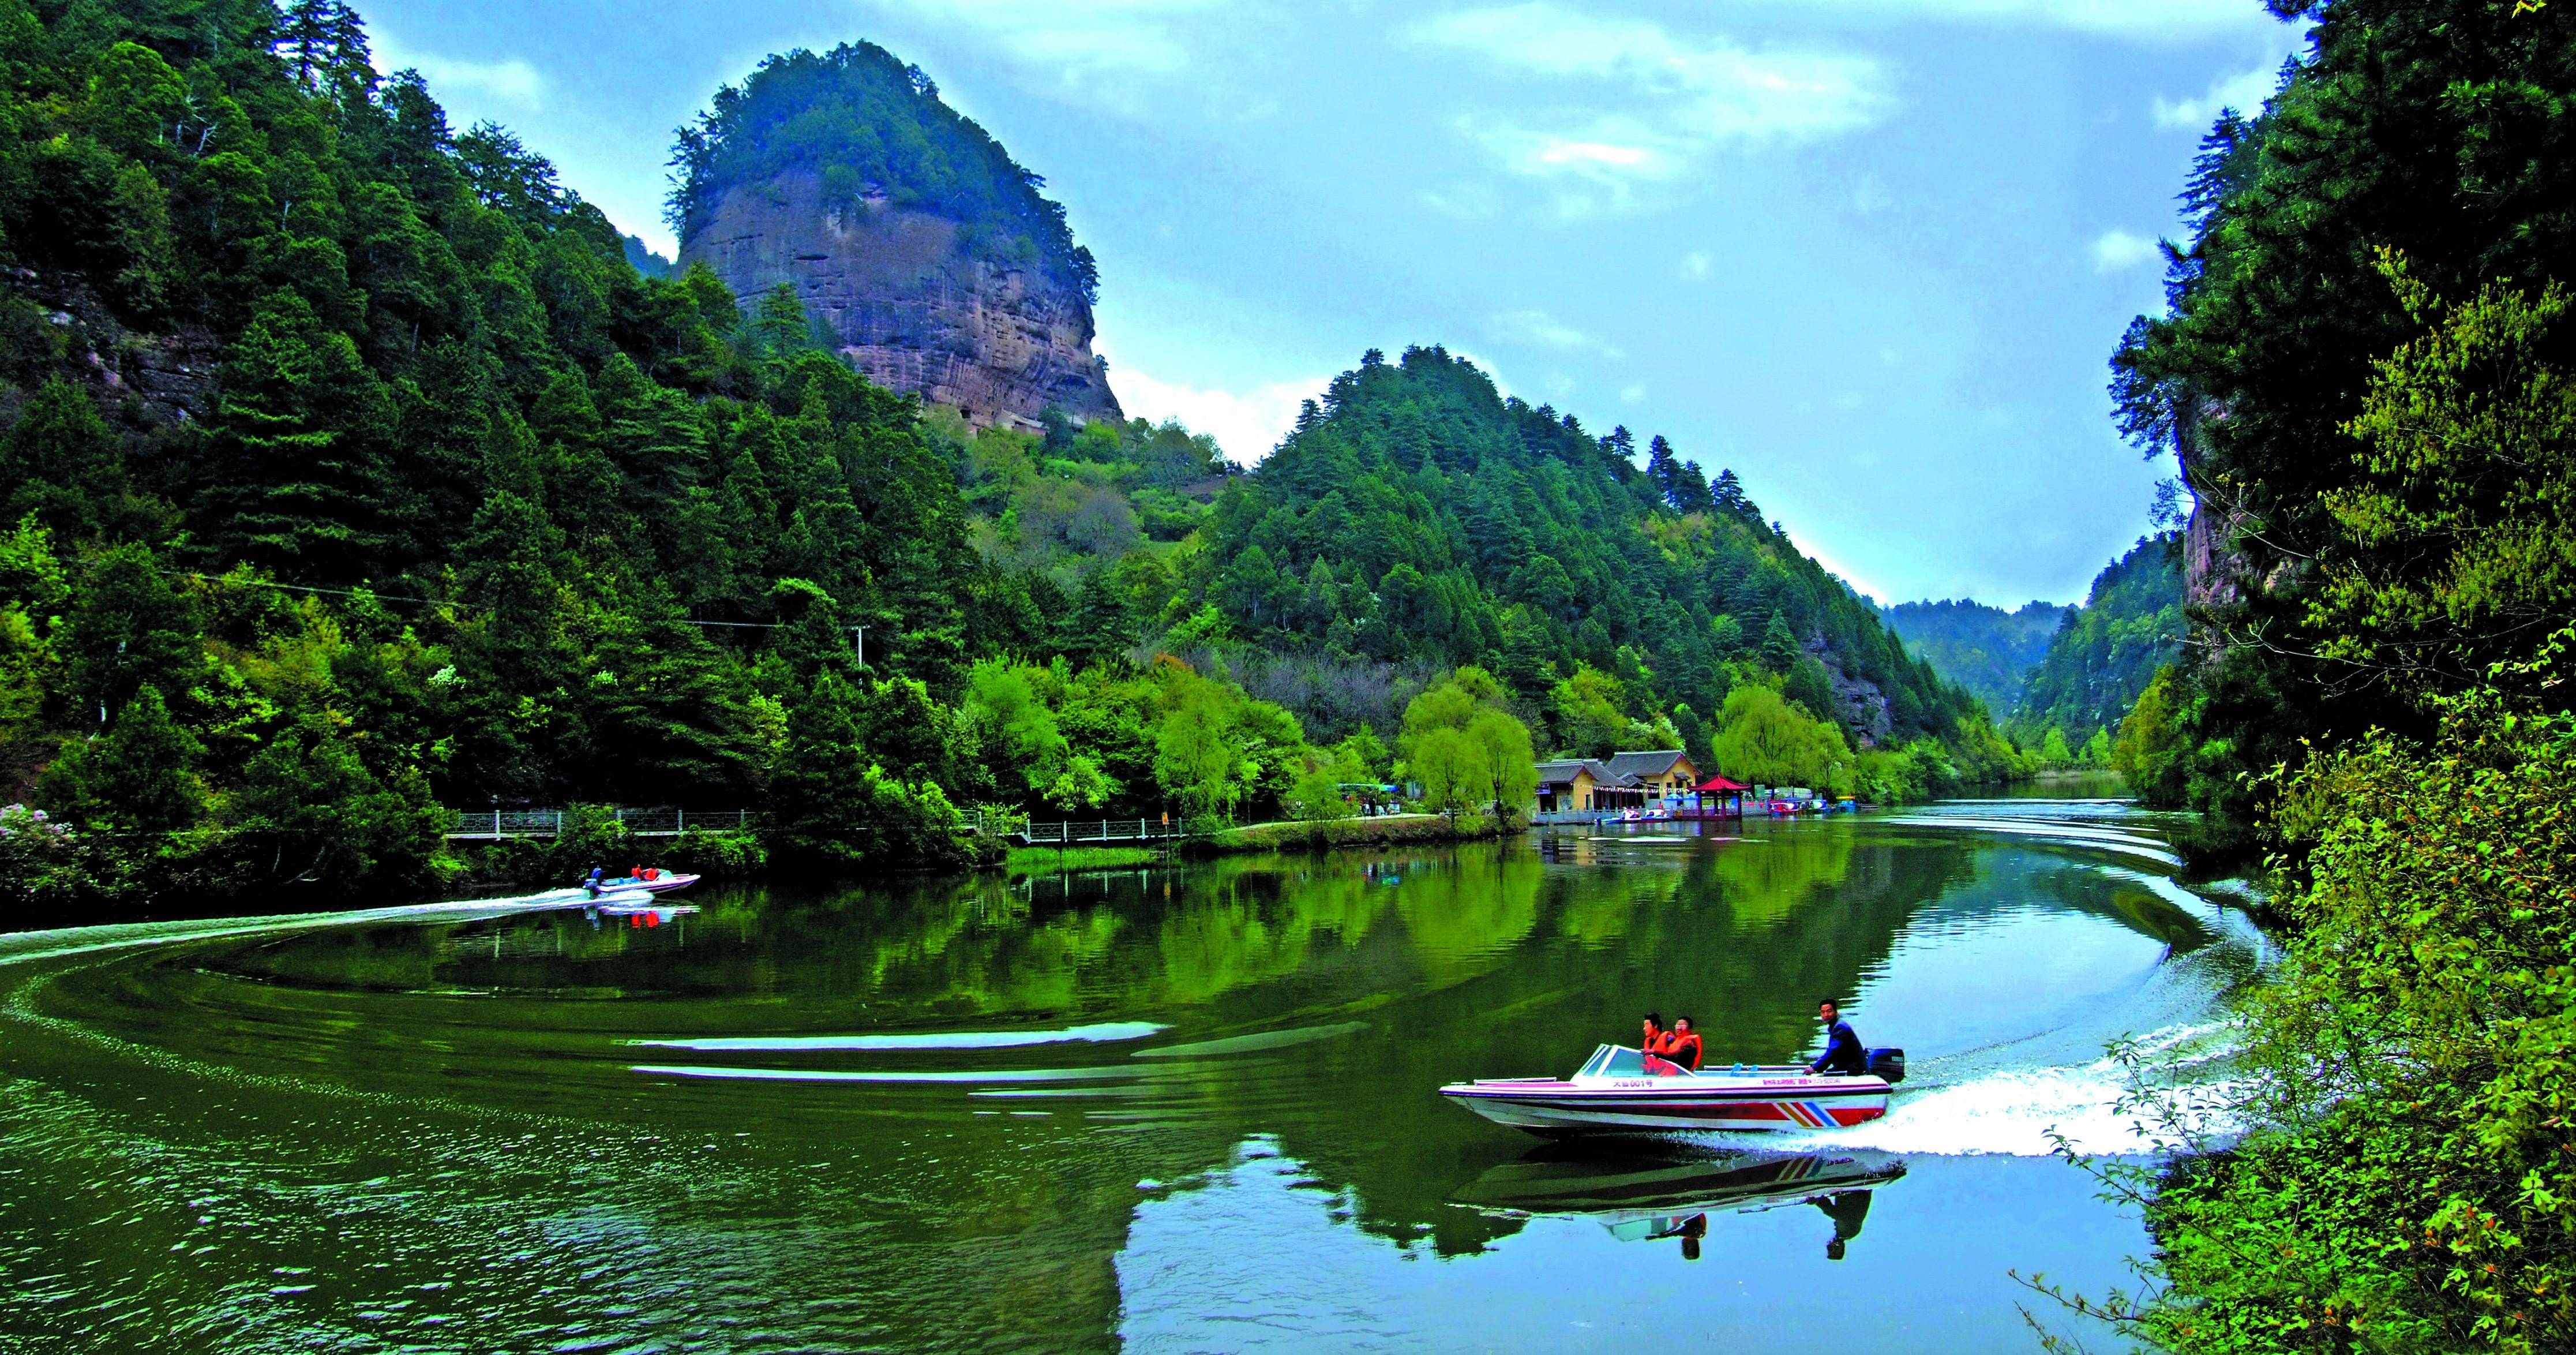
(512, 82)
(1675, 98)
(2244, 93)
(2116, 251)
(1247, 424)
(2154, 20)
(1695, 265)
(1546, 331)
(1075, 38)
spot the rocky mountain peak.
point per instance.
(908, 304)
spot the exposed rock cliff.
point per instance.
(907, 306)
(1864, 703)
(139, 380)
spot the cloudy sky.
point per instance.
(1871, 254)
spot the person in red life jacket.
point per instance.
(1683, 1045)
(1656, 1044)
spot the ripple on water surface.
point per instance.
(1166, 1109)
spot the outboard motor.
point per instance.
(1888, 1064)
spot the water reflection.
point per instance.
(923, 1114)
(1638, 1194)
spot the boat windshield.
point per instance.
(1612, 1060)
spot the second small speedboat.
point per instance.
(1614, 1092)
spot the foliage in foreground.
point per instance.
(2409, 1180)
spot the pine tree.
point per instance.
(324, 45)
(778, 328)
(1691, 492)
(138, 777)
(59, 461)
(1102, 623)
(1780, 648)
(299, 478)
(1728, 495)
(1664, 469)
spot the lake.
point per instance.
(1166, 1110)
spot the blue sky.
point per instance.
(1872, 254)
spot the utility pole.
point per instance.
(860, 642)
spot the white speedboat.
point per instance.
(1614, 1092)
(662, 883)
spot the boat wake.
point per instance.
(24, 947)
(2031, 1095)
(2026, 1113)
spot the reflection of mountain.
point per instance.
(1608, 945)
(2043, 880)
(1317, 1001)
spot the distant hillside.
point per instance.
(2108, 650)
(1985, 649)
(646, 262)
(1416, 515)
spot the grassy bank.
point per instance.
(1051, 860)
(1320, 834)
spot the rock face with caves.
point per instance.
(910, 308)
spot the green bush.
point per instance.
(48, 868)
(2411, 1181)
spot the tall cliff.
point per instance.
(908, 303)
(906, 229)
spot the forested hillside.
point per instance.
(2105, 653)
(1981, 647)
(1418, 517)
(351, 470)
(354, 473)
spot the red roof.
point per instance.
(1721, 783)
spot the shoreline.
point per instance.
(1284, 835)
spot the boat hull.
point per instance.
(1664, 1105)
(660, 884)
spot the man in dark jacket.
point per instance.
(1843, 1055)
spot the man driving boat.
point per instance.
(1843, 1056)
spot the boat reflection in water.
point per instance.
(1651, 1197)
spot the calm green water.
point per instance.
(1169, 1110)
